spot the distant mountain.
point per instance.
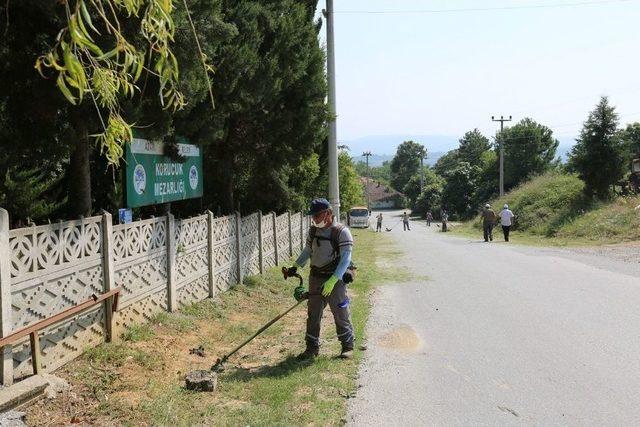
(374, 160)
(383, 147)
(377, 160)
(565, 146)
(433, 157)
(387, 144)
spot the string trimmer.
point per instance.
(218, 365)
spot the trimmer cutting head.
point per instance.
(218, 366)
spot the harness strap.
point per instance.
(334, 238)
(335, 244)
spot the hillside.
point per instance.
(553, 207)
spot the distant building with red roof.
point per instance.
(380, 195)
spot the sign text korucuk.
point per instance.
(153, 178)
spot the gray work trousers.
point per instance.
(488, 232)
(338, 302)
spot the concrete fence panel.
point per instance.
(282, 233)
(140, 256)
(55, 267)
(224, 252)
(250, 245)
(268, 239)
(192, 260)
(161, 264)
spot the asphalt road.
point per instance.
(500, 334)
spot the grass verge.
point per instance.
(139, 381)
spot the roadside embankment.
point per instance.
(552, 210)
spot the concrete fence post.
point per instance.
(108, 275)
(275, 237)
(302, 236)
(260, 244)
(172, 298)
(290, 234)
(6, 367)
(239, 245)
(210, 258)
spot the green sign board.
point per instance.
(153, 178)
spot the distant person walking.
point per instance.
(488, 221)
(506, 219)
(405, 222)
(379, 223)
(444, 217)
(429, 219)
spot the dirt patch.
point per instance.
(403, 339)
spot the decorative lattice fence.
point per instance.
(161, 264)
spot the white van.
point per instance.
(358, 217)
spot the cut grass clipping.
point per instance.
(140, 380)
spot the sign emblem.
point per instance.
(193, 177)
(139, 179)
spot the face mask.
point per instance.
(320, 224)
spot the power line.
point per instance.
(485, 9)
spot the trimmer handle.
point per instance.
(286, 274)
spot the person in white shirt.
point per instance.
(506, 218)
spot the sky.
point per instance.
(443, 73)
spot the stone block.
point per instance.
(201, 380)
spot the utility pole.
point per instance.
(501, 120)
(334, 185)
(366, 154)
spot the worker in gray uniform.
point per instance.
(329, 246)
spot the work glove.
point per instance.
(327, 287)
(300, 293)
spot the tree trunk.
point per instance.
(80, 173)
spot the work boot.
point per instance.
(308, 354)
(347, 352)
